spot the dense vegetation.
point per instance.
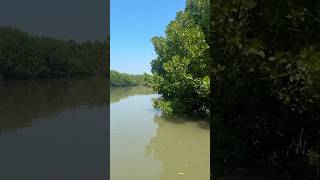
(264, 62)
(181, 71)
(265, 75)
(23, 56)
(122, 79)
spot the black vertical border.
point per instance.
(108, 87)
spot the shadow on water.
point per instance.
(21, 102)
(201, 123)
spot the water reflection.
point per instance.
(54, 129)
(118, 93)
(22, 102)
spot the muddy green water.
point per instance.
(58, 130)
(145, 146)
(54, 129)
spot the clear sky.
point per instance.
(133, 24)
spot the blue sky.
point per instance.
(132, 25)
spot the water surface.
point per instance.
(57, 129)
(54, 129)
(145, 146)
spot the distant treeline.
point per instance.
(23, 56)
(122, 79)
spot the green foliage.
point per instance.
(265, 78)
(200, 12)
(314, 161)
(122, 79)
(180, 72)
(23, 56)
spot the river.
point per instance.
(54, 129)
(145, 146)
(58, 129)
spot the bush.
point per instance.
(181, 71)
